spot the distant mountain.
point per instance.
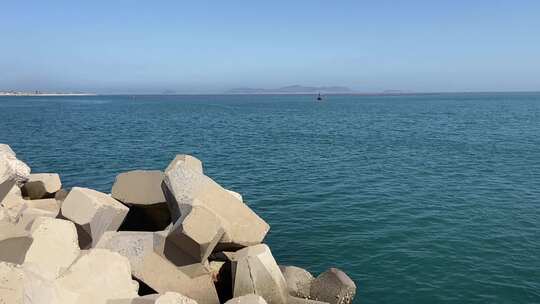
(293, 89)
(168, 92)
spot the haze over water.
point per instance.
(420, 198)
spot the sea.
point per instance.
(428, 198)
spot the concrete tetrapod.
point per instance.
(42, 185)
(298, 281)
(254, 271)
(141, 191)
(54, 246)
(166, 298)
(197, 232)
(155, 270)
(333, 286)
(247, 299)
(185, 187)
(94, 213)
(11, 168)
(99, 275)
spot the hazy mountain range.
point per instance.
(293, 89)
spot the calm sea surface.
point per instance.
(420, 199)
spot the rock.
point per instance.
(296, 300)
(99, 275)
(6, 149)
(254, 271)
(185, 187)
(5, 187)
(236, 195)
(333, 286)
(94, 213)
(197, 232)
(223, 256)
(247, 299)
(156, 271)
(61, 195)
(161, 275)
(139, 187)
(13, 237)
(215, 268)
(141, 191)
(42, 185)
(18, 213)
(54, 246)
(298, 281)
(11, 283)
(28, 215)
(178, 256)
(189, 161)
(47, 204)
(23, 284)
(13, 205)
(39, 290)
(13, 249)
(11, 168)
(220, 268)
(130, 244)
(166, 298)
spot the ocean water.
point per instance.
(419, 198)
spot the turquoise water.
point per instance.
(420, 199)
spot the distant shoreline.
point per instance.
(267, 94)
(47, 94)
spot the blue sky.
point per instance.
(210, 46)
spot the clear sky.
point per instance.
(119, 46)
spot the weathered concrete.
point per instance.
(99, 275)
(185, 187)
(247, 299)
(236, 195)
(94, 213)
(54, 247)
(166, 298)
(333, 286)
(28, 215)
(189, 161)
(156, 271)
(46, 204)
(215, 268)
(13, 250)
(11, 168)
(17, 214)
(24, 285)
(11, 283)
(5, 187)
(297, 300)
(178, 256)
(42, 185)
(298, 281)
(135, 246)
(139, 187)
(162, 276)
(13, 204)
(141, 191)
(254, 271)
(61, 195)
(39, 289)
(197, 232)
(222, 276)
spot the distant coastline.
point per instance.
(293, 89)
(14, 93)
